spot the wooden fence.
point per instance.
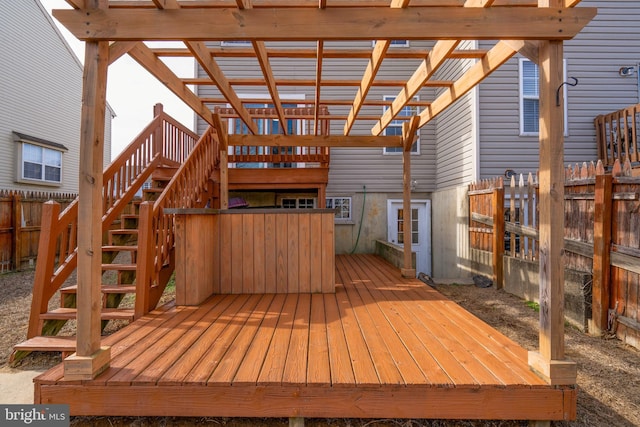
(20, 216)
(602, 219)
(618, 136)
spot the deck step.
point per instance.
(119, 248)
(124, 231)
(105, 289)
(52, 343)
(105, 314)
(119, 267)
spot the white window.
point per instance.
(235, 43)
(395, 127)
(39, 161)
(302, 203)
(342, 206)
(530, 98)
(395, 43)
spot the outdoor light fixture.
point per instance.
(626, 71)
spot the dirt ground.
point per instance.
(608, 371)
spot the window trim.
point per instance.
(297, 202)
(521, 98)
(23, 140)
(405, 44)
(384, 132)
(235, 43)
(333, 198)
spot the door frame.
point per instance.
(426, 222)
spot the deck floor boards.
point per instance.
(381, 346)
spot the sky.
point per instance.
(132, 91)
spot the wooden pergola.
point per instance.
(536, 29)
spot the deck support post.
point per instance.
(90, 359)
(409, 130)
(550, 361)
(223, 139)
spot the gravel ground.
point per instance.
(608, 371)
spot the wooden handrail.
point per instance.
(156, 230)
(269, 154)
(163, 140)
(617, 135)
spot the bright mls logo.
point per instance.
(34, 415)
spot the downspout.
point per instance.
(364, 200)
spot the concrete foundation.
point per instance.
(393, 253)
(521, 278)
(450, 233)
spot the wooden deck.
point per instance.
(380, 347)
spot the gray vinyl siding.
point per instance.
(350, 169)
(594, 57)
(40, 91)
(455, 131)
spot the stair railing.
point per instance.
(122, 179)
(189, 187)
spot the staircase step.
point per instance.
(164, 173)
(119, 267)
(122, 236)
(129, 221)
(105, 314)
(124, 231)
(119, 248)
(48, 343)
(105, 289)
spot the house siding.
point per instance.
(40, 91)
(594, 58)
(455, 131)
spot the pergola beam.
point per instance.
(322, 101)
(211, 67)
(263, 59)
(425, 71)
(219, 4)
(143, 55)
(497, 56)
(301, 53)
(375, 61)
(312, 82)
(364, 141)
(200, 53)
(299, 24)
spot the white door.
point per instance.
(420, 230)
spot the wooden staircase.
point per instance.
(119, 265)
(131, 286)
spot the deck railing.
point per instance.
(617, 135)
(299, 122)
(122, 179)
(156, 230)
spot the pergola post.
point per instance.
(409, 130)
(223, 139)
(550, 361)
(90, 358)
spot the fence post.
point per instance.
(498, 235)
(601, 286)
(16, 242)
